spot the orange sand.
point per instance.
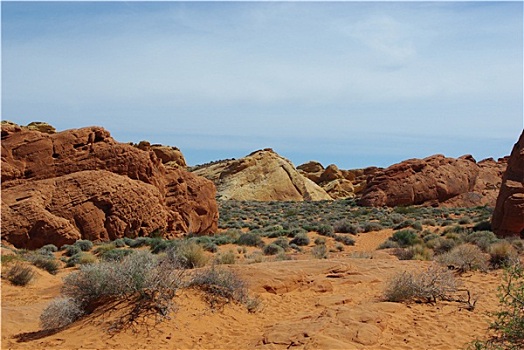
(306, 304)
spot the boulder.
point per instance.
(261, 176)
(508, 216)
(81, 183)
(432, 180)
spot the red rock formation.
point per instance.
(81, 183)
(433, 180)
(508, 217)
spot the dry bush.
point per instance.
(60, 312)
(465, 257)
(502, 254)
(434, 283)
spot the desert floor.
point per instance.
(306, 303)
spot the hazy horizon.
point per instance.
(356, 84)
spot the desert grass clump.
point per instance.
(114, 254)
(227, 258)
(71, 250)
(48, 248)
(372, 226)
(404, 238)
(324, 230)
(20, 274)
(463, 258)
(61, 312)
(346, 226)
(320, 251)
(187, 254)
(427, 286)
(502, 254)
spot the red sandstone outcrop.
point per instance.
(508, 217)
(170, 156)
(261, 176)
(81, 183)
(435, 180)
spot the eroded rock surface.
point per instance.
(508, 216)
(435, 180)
(81, 183)
(262, 176)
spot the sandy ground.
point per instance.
(306, 303)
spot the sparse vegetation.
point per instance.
(20, 274)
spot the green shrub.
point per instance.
(84, 245)
(51, 265)
(271, 249)
(300, 239)
(346, 226)
(119, 243)
(320, 240)
(324, 230)
(442, 245)
(249, 239)
(372, 226)
(71, 250)
(388, 243)
(482, 239)
(50, 248)
(113, 254)
(282, 242)
(404, 238)
(19, 274)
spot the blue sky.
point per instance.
(350, 83)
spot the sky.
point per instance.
(354, 84)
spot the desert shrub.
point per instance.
(404, 238)
(20, 274)
(372, 226)
(456, 229)
(114, 254)
(465, 220)
(138, 242)
(388, 243)
(429, 222)
(187, 254)
(249, 239)
(49, 248)
(430, 237)
(404, 224)
(271, 249)
(482, 226)
(320, 251)
(465, 257)
(221, 286)
(339, 247)
(71, 250)
(119, 243)
(446, 223)
(420, 252)
(346, 226)
(282, 242)
(51, 265)
(482, 239)
(104, 247)
(429, 285)
(295, 247)
(324, 230)
(346, 240)
(442, 245)
(417, 225)
(502, 254)
(320, 240)
(518, 243)
(60, 312)
(227, 258)
(300, 239)
(84, 245)
(509, 319)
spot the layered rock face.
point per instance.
(508, 217)
(261, 176)
(338, 183)
(435, 180)
(81, 183)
